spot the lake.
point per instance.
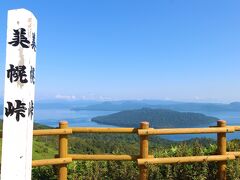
(51, 117)
(232, 118)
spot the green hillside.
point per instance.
(42, 149)
(122, 170)
(47, 147)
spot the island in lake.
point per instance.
(158, 118)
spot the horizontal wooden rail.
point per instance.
(55, 161)
(105, 157)
(186, 131)
(48, 132)
(103, 130)
(237, 154)
(237, 128)
(150, 131)
(188, 159)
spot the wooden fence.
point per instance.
(143, 159)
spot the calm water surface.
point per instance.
(232, 118)
(51, 117)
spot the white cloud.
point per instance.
(197, 98)
(93, 96)
(65, 97)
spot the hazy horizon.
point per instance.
(65, 99)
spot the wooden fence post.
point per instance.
(63, 151)
(143, 151)
(222, 150)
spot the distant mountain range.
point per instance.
(158, 118)
(91, 105)
(172, 105)
(59, 104)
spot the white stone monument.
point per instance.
(18, 112)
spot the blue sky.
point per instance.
(133, 49)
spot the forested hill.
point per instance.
(158, 118)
